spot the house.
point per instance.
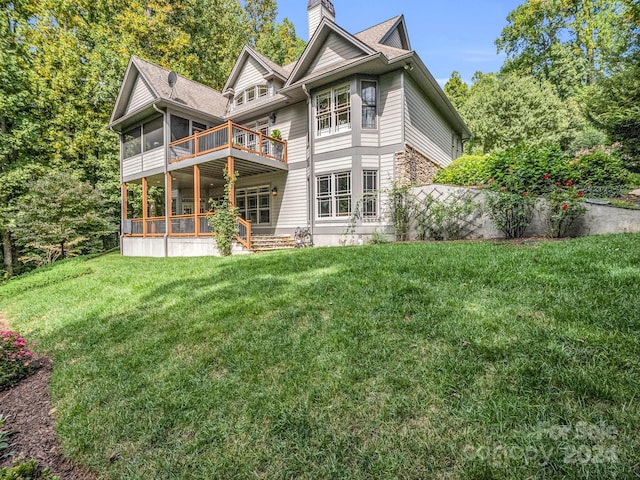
(355, 113)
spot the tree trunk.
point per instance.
(62, 250)
(6, 253)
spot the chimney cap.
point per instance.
(326, 3)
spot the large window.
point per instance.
(153, 132)
(179, 128)
(370, 193)
(254, 204)
(333, 195)
(369, 104)
(132, 143)
(333, 110)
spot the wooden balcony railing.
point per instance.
(224, 136)
(185, 226)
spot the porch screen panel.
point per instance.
(153, 132)
(132, 142)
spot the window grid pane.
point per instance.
(370, 193)
(369, 104)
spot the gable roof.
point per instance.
(186, 92)
(378, 36)
(316, 43)
(272, 68)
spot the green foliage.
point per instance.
(16, 360)
(466, 170)
(614, 105)
(445, 217)
(60, 216)
(510, 212)
(223, 220)
(564, 206)
(598, 166)
(505, 110)
(401, 203)
(4, 438)
(526, 168)
(456, 90)
(378, 238)
(26, 471)
(546, 38)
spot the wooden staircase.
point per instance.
(268, 243)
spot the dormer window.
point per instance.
(250, 94)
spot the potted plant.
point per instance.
(278, 147)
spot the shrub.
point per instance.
(523, 168)
(401, 207)
(26, 471)
(378, 238)
(223, 220)
(564, 207)
(16, 360)
(599, 167)
(510, 212)
(465, 171)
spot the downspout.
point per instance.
(311, 168)
(166, 184)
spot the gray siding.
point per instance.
(425, 129)
(390, 116)
(252, 73)
(141, 95)
(394, 39)
(292, 123)
(331, 143)
(315, 17)
(334, 165)
(153, 159)
(369, 139)
(132, 165)
(334, 50)
(293, 206)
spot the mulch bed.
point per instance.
(27, 407)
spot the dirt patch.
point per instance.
(27, 407)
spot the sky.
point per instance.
(447, 35)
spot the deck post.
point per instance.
(144, 206)
(196, 198)
(230, 133)
(169, 200)
(232, 187)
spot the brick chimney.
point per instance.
(318, 9)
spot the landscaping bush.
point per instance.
(446, 217)
(523, 168)
(16, 360)
(467, 170)
(510, 212)
(26, 471)
(599, 168)
(564, 206)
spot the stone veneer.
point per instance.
(413, 168)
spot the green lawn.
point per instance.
(449, 360)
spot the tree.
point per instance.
(456, 90)
(58, 215)
(505, 110)
(595, 32)
(281, 44)
(614, 105)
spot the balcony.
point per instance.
(227, 136)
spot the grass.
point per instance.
(449, 360)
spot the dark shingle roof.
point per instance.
(187, 92)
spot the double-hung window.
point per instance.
(333, 110)
(369, 96)
(370, 193)
(333, 195)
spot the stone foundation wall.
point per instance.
(413, 168)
